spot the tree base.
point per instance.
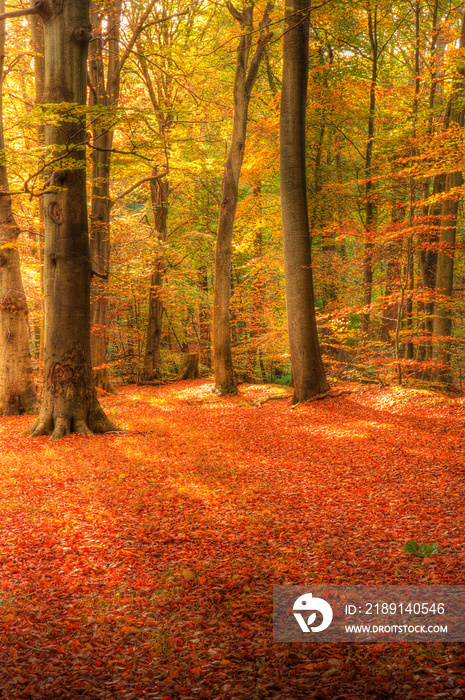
(190, 369)
(20, 404)
(60, 419)
(226, 390)
(102, 381)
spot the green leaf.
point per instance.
(411, 546)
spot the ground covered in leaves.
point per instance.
(142, 564)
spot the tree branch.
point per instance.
(265, 37)
(234, 12)
(135, 36)
(138, 184)
(19, 13)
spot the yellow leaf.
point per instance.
(188, 574)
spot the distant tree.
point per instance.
(17, 387)
(442, 324)
(105, 67)
(244, 80)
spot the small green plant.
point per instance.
(423, 549)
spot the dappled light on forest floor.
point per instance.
(141, 564)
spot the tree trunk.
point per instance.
(244, 79)
(17, 387)
(159, 192)
(69, 400)
(190, 368)
(307, 367)
(204, 317)
(442, 323)
(370, 209)
(105, 94)
(428, 241)
(37, 36)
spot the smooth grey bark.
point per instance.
(69, 401)
(244, 80)
(17, 386)
(307, 367)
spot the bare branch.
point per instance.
(139, 183)
(19, 13)
(135, 36)
(234, 12)
(265, 37)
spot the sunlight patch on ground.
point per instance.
(195, 392)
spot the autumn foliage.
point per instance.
(141, 564)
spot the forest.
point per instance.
(232, 330)
(170, 92)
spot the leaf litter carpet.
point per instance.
(141, 565)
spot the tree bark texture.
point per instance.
(69, 400)
(307, 367)
(244, 79)
(159, 192)
(104, 93)
(160, 89)
(428, 241)
(17, 387)
(442, 323)
(37, 36)
(370, 208)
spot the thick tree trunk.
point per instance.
(69, 399)
(159, 192)
(17, 387)
(225, 381)
(190, 368)
(307, 367)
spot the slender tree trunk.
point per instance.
(442, 323)
(159, 192)
(307, 367)
(204, 318)
(17, 387)
(103, 92)
(69, 400)
(160, 90)
(370, 208)
(37, 35)
(428, 241)
(245, 76)
(409, 284)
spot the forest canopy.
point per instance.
(156, 134)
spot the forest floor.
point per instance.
(142, 564)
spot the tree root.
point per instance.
(260, 402)
(72, 421)
(326, 395)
